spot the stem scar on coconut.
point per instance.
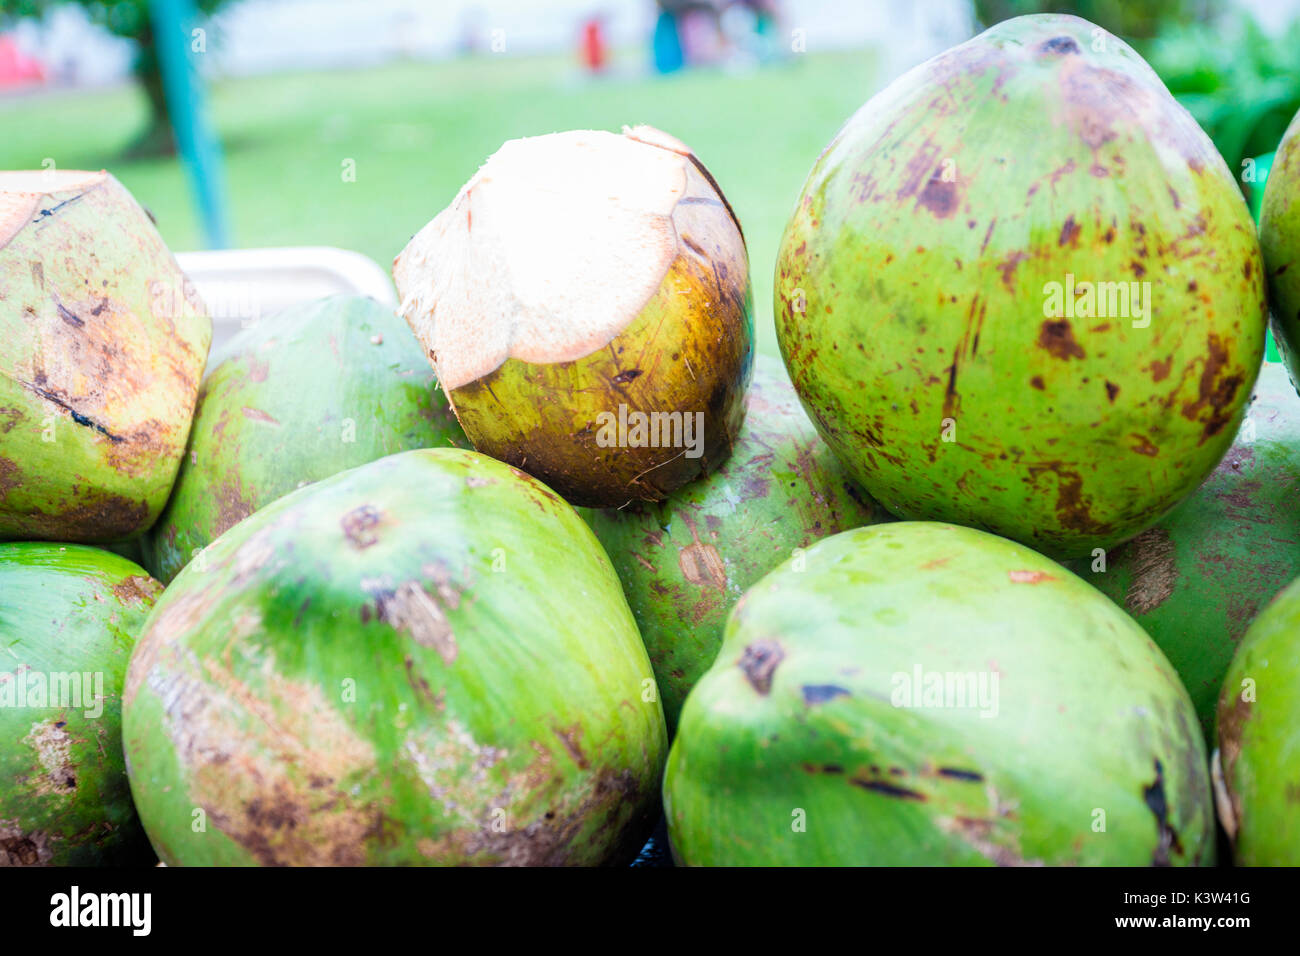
(585, 303)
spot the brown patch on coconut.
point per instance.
(759, 661)
(988, 836)
(1155, 571)
(53, 746)
(1233, 715)
(1058, 339)
(11, 476)
(187, 611)
(571, 738)
(23, 848)
(359, 526)
(702, 565)
(478, 788)
(413, 611)
(273, 767)
(136, 590)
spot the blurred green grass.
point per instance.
(417, 131)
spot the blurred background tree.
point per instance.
(1241, 84)
(129, 19)
(1130, 19)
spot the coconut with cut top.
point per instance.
(585, 303)
(102, 344)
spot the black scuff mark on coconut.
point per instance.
(1059, 46)
(888, 789)
(46, 214)
(413, 611)
(821, 693)
(694, 246)
(955, 773)
(708, 176)
(832, 768)
(80, 419)
(759, 661)
(1154, 796)
(628, 375)
(950, 397)
(1155, 571)
(358, 526)
(69, 317)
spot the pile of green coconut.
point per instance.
(994, 568)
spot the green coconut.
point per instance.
(925, 694)
(69, 615)
(686, 560)
(585, 301)
(313, 391)
(424, 660)
(1021, 291)
(1279, 238)
(1257, 765)
(104, 345)
(1197, 579)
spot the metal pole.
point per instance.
(199, 148)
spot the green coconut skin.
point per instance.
(1197, 579)
(316, 390)
(796, 721)
(424, 660)
(685, 561)
(912, 297)
(1259, 739)
(67, 609)
(1279, 239)
(105, 344)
